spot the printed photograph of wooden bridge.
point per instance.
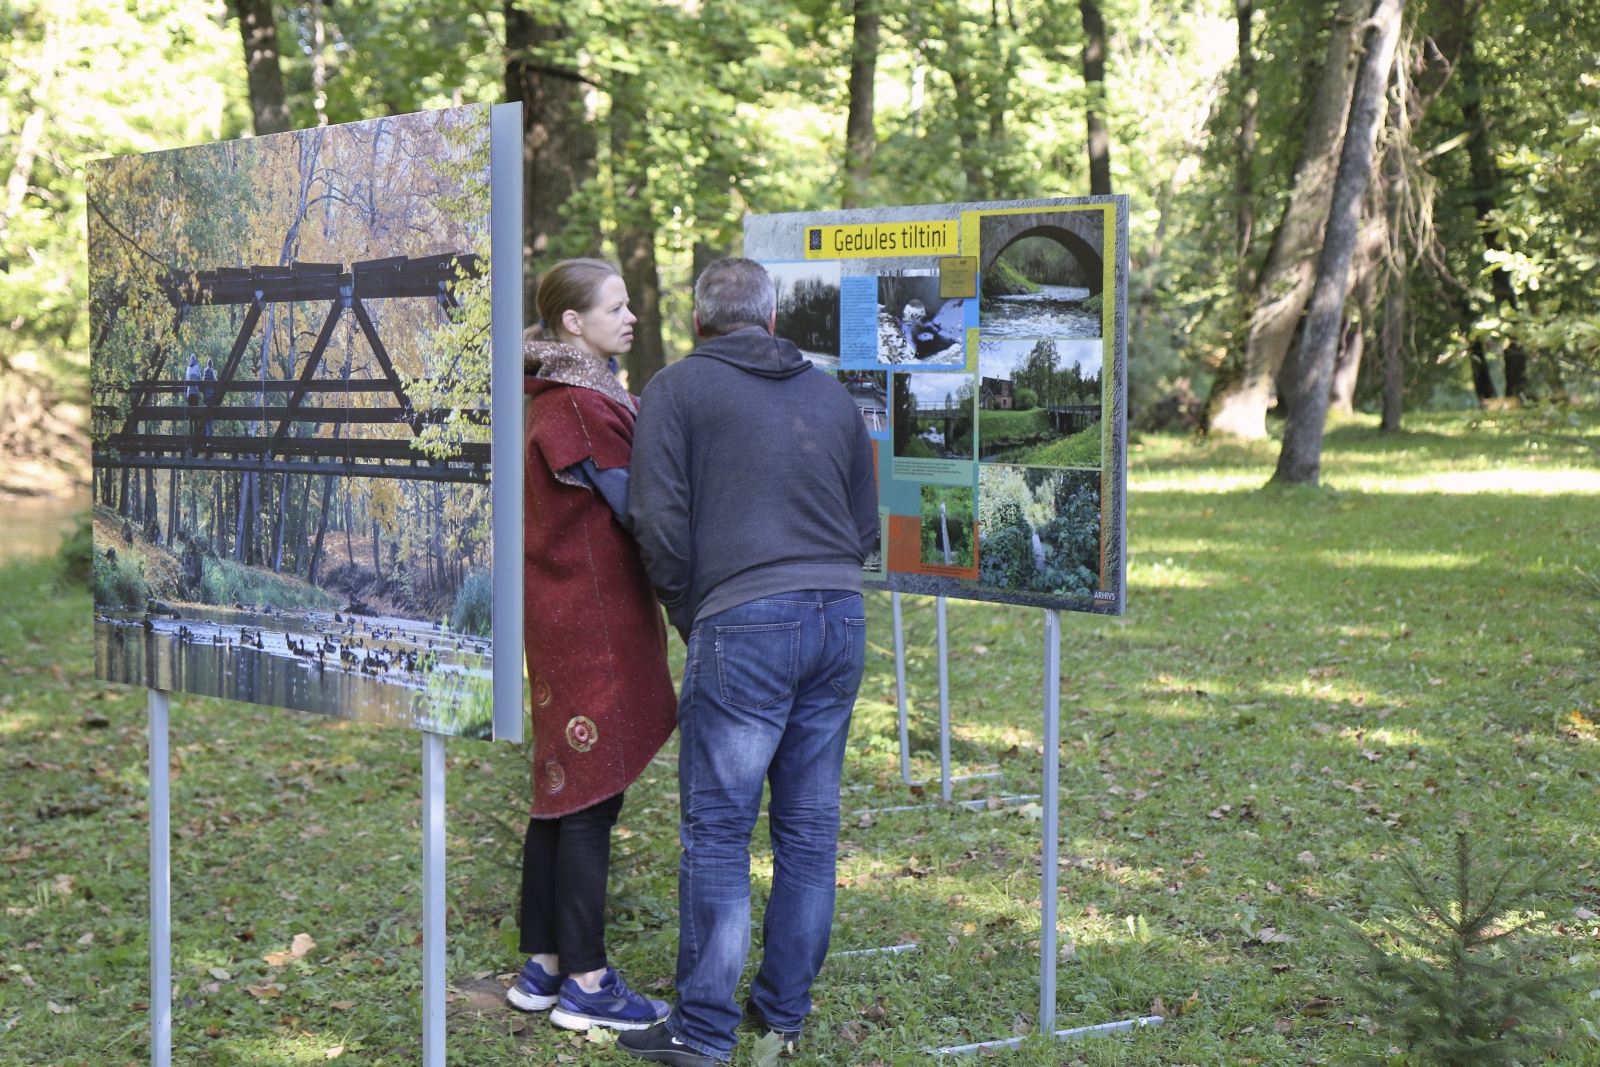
(290, 376)
(932, 415)
(1039, 402)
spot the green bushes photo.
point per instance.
(955, 522)
(1039, 530)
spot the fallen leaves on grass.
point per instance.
(342, 1005)
(59, 1009)
(298, 948)
(1269, 936)
(265, 992)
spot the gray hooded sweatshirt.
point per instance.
(752, 475)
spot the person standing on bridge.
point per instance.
(596, 645)
(755, 502)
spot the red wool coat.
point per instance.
(603, 702)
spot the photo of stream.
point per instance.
(1042, 275)
(290, 432)
(386, 670)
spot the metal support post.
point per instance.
(160, 884)
(1052, 806)
(433, 901)
(900, 689)
(945, 784)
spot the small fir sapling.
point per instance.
(1460, 974)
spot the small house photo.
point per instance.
(808, 307)
(1040, 402)
(932, 416)
(917, 325)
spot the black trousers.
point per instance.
(565, 862)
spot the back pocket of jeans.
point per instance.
(757, 665)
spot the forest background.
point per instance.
(1461, 256)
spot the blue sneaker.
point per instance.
(535, 988)
(615, 1006)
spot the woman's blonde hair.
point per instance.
(571, 285)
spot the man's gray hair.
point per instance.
(731, 294)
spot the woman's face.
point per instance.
(606, 329)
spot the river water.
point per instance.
(395, 672)
(1054, 311)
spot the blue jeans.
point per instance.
(767, 695)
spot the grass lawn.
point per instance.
(1305, 682)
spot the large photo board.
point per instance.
(986, 345)
(291, 366)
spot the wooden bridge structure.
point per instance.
(1073, 418)
(167, 420)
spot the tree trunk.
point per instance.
(172, 508)
(1244, 202)
(636, 228)
(242, 505)
(279, 524)
(860, 133)
(322, 528)
(1394, 311)
(1094, 76)
(1300, 460)
(1485, 174)
(1367, 265)
(1239, 396)
(259, 31)
(558, 144)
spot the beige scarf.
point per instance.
(568, 365)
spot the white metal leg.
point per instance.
(433, 902)
(160, 885)
(900, 689)
(1051, 829)
(945, 784)
(1075, 1034)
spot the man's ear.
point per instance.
(772, 323)
(698, 332)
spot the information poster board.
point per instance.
(986, 345)
(293, 424)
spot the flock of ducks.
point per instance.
(345, 647)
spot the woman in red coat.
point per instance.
(603, 701)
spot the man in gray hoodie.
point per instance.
(754, 501)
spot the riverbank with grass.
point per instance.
(1306, 684)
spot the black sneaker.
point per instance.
(754, 1019)
(657, 1044)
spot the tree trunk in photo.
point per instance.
(277, 523)
(1244, 200)
(860, 131)
(258, 28)
(1485, 174)
(322, 528)
(1239, 396)
(172, 508)
(1300, 460)
(558, 143)
(349, 547)
(1094, 76)
(302, 528)
(218, 546)
(241, 506)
